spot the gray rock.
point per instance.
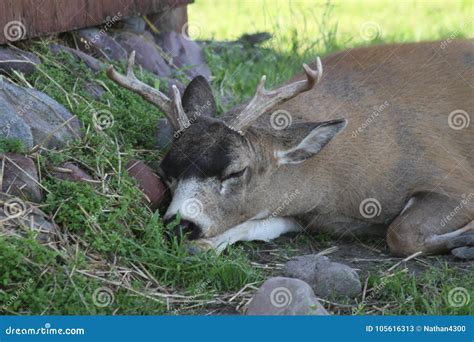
(12, 125)
(304, 267)
(337, 280)
(41, 114)
(19, 217)
(71, 172)
(25, 62)
(134, 24)
(94, 90)
(93, 63)
(20, 177)
(99, 43)
(325, 277)
(40, 223)
(285, 296)
(186, 54)
(147, 54)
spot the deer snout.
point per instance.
(185, 228)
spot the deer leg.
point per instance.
(254, 230)
(423, 226)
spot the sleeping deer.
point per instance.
(382, 144)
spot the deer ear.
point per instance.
(198, 100)
(311, 143)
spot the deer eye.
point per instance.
(234, 175)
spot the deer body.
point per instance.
(383, 141)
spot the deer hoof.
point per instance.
(200, 246)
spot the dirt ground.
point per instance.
(366, 257)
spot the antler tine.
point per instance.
(183, 120)
(264, 99)
(150, 94)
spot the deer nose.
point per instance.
(185, 228)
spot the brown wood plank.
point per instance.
(36, 18)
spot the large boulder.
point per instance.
(16, 59)
(186, 54)
(285, 296)
(20, 177)
(35, 118)
(11, 123)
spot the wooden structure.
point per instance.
(23, 19)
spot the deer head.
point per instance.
(223, 173)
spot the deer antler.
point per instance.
(264, 99)
(172, 108)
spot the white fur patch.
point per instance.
(186, 201)
(255, 230)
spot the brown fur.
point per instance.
(397, 146)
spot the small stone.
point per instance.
(134, 24)
(98, 42)
(146, 53)
(93, 63)
(95, 90)
(325, 277)
(337, 280)
(151, 185)
(16, 59)
(187, 54)
(71, 172)
(285, 296)
(304, 267)
(18, 217)
(20, 177)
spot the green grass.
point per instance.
(112, 240)
(398, 20)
